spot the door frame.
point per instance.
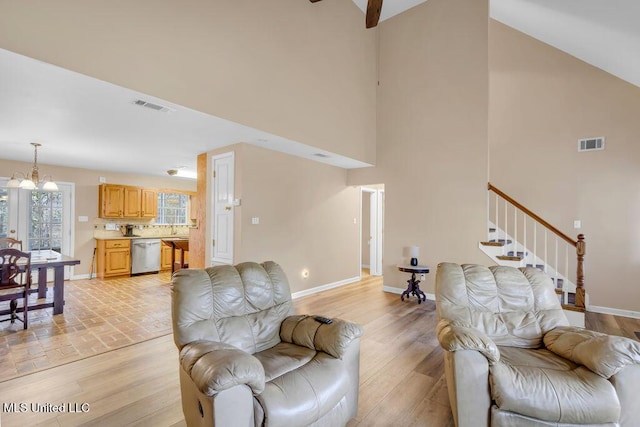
(19, 208)
(376, 224)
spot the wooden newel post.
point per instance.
(581, 250)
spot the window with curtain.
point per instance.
(173, 208)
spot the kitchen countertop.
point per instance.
(177, 237)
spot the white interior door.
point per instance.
(375, 232)
(223, 196)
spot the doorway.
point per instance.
(42, 220)
(372, 228)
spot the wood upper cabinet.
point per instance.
(111, 201)
(131, 208)
(122, 201)
(114, 258)
(148, 203)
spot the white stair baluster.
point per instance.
(524, 232)
(546, 258)
(506, 228)
(496, 235)
(556, 263)
(535, 243)
(566, 264)
(515, 231)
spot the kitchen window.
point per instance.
(173, 208)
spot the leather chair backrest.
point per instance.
(240, 305)
(513, 306)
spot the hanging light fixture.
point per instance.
(32, 180)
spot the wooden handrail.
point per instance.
(580, 245)
(532, 215)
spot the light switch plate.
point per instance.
(577, 224)
(255, 220)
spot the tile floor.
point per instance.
(99, 315)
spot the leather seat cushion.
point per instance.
(283, 358)
(304, 395)
(542, 385)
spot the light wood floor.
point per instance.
(401, 380)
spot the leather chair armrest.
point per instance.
(215, 366)
(603, 354)
(333, 338)
(454, 336)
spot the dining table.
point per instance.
(42, 261)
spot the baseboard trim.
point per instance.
(364, 266)
(615, 311)
(399, 291)
(80, 276)
(324, 287)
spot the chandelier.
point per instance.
(32, 180)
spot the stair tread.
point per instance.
(492, 243)
(573, 308)
(509, 258)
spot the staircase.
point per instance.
(518, 237)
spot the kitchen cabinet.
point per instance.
(123, 201)
(131, 206)
(113, 258)
(111, 201)
(148, 203)
(165, 257)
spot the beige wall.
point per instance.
(86, 197)
(432, 134)
(302, 71)
(306, 213)
(542, 102)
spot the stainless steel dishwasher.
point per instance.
(145, 256)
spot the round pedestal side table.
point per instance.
(413, 287)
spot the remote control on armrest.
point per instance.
(324, 320)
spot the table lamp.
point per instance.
(414, 251)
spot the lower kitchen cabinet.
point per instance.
(113, 258)
(165, 257)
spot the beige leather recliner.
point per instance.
(511, 358)
(247, 360)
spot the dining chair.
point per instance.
(10, 242)
(15, 283)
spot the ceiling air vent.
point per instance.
(591, 144)
(152, 106)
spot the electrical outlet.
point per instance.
(422, 277)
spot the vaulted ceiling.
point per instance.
(96, 125)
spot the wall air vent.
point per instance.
(152, 106)
(591, 144)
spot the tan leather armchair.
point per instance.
(247, 360)
(511, 358)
